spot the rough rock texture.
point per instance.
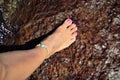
(96, 53)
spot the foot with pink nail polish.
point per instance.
(62, 38)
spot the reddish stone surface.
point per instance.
(95, 54)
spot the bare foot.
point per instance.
(63, 37)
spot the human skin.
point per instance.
(18, 65)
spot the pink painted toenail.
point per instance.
(77, 28)
(76, 33)
(69, 20)
(75, 25)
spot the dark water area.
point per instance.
(7, 34)
(94, 56)
(6, 29)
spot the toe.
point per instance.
(72, 26)
(74, 34)
(74, 29)
(67, 23)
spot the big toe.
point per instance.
(67, 23)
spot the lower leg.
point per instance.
(20, 64)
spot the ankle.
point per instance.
(49, 47)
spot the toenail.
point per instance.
(75, 25)
(76, 28)
(76, 33)
(69, 20)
